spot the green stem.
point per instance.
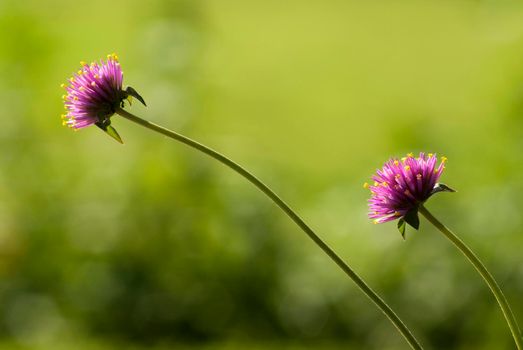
(491, 282)
(405, 332)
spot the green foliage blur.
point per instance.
(153, 245)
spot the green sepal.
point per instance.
(105, 125)
(439, 187)
(132, 92)
(401, 227)
(113, 133)
(412, 218)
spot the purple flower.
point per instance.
(94, 94)
(402, 185)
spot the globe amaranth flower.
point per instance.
(94, 94)
(402, 185)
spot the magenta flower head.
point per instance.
(94, 94)
(402, 185)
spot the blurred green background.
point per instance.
(153, 245)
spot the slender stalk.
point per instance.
(402, 328)
(478, 265)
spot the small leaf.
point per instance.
(105, 125)
(412, 218)
(401, 227)
(113, 133)
(439, 187)
(132, 92)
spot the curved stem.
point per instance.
(491, 282)
(405, 332)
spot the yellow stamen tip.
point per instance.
(407, 167)
(80, 72)
(366, 185)
(410, 155)
(443, 159)
(431, 155)
(82, 63)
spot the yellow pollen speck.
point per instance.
(396, 162)
(366, 185)
(81, 88)
(71, 79)
(64, 123)
(75, 98)
(431, 155)
(80, 72)
(96, 76)
(410, 155)
(385, 184)
(376, 183)
(443, 159)
(375, 221)
(63, 86)
(397, 213)
(407, 167)
(82, 63)
(64, 97)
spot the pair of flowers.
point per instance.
(95, 93)
(399, 191)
